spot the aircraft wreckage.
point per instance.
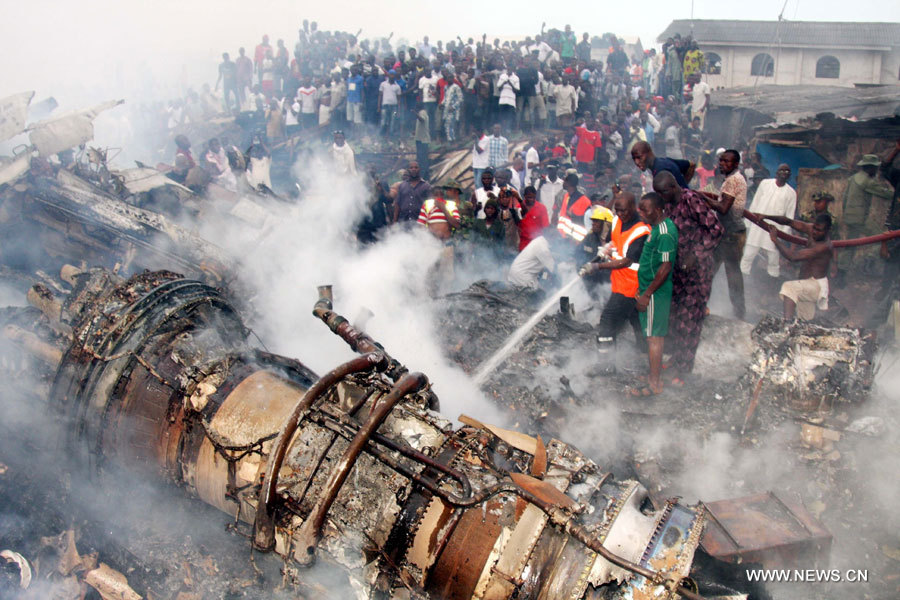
(356, 466)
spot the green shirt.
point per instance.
(660, 247)
(858, 197)
(810, 216)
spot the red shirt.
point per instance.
(260, 52)
(588, 142)
(533, 224)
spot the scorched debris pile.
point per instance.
(355, 466)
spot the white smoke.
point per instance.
(312, 243)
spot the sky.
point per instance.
(92, 50)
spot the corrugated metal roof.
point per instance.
(791, 103)
(821, 34)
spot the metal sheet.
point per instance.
(13, 113)
(15, 169)
(144, 179)
(762, 528)
(66, 131)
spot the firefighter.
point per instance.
(621, 257)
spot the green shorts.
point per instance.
(655, 320)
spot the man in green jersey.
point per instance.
(655, 285)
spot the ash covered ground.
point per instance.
(687, 441)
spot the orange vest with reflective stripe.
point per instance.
(625, 280)
(566, 226)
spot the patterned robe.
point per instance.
(699, 232)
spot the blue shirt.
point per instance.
(354, 89)
(667, 164)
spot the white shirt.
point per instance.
(701, 90)
(615, 144)
(307, 97)
(389, 92)
(531, 156)
(481, 160)
(770, 200)
(290, 118)
(428, 85)
(543, 50)
(673, 142)
(343, 158)
(547, 193)
(508, 92)
(481, 196)
(530, 262)
(564, 96)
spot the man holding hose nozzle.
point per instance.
(621, 257)
(802, 296)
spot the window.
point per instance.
(828, 67)
(763, 65)
(712, 64)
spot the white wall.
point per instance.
(797, 66)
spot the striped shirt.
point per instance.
(498, 151)
(431, 213)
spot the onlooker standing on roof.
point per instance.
(388, 97)
(700, 93)
(498, 149)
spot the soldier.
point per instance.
(862, 189)
(821, 200)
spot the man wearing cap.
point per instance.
(859, 211)
(441, 213)
(568, 213)
(388, 93)
(821, 200)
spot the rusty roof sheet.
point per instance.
(793, 103)
(817, 34)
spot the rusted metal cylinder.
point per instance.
(32, 344)
(160, 374)
(40, 297)
(69, 273)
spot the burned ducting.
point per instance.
(355, 467)
(811, 366)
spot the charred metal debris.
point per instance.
(355, 467)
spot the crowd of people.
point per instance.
(337, 80)
(608, 168)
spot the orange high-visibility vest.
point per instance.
(566, 226)
(625, 281)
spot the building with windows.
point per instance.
(739, 53)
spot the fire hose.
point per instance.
(794, 239)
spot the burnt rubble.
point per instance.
(354, 467)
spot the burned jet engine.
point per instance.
(354, 467)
